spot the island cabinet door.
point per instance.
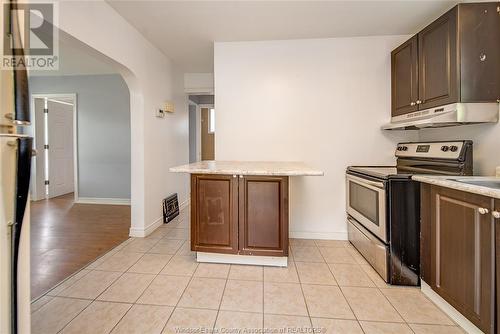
(263, 215)
(463, 253)
(214, 213)
(496, 217)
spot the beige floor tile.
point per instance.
(99, 317)
(356, 255)
(164, 290)
(185, 320)
(103, 258)
(91, 285)
(332, 243)
(203, 293)
(374, 276)
(436, 329)
(245, 296)
(286, 324)
(212, 270)
(150, 264)
(326, 302)
(53, 316)
(370, 304)
(180, 266)
(37, 304)
(284, 298)
(283, 275)
(414, 307)
(120, 261)
(336, 326)
(315, 273)
(127, 288)
(178, 233)
(140, 245)
(248, 273)
(68, 282)
(167, 246)
(185, 249)
(144, 319)
(159, 233)
(337, 255)
(385, 328)
(302, 243)
(238, 322)
(350, 275)
(306, 254)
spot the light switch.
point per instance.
(169, 106)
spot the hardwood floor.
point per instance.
(66, 236)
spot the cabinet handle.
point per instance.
(483, 211)
(496, 214)
(412, 104)
(419, 102)
(234, 176)
(241, 176)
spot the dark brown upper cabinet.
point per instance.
(404, 84)
(245, 215)
(454, 59)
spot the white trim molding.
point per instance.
(104, 201)
(318, 235)
(274, 261)
(452, 312)
(141, 233)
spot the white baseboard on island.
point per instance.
(318, 235)
(456, 316)
(275, 261)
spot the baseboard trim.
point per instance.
(104, 201)
(141, 233)
(318, 235)
(273, 261)
(452, 312)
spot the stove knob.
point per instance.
(399, 148)
(444, 148)
(405, 148)
(453, 148)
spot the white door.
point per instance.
(60, 151)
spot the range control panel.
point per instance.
(440, 150)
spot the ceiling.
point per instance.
(185, 30)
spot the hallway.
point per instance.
(65, 237)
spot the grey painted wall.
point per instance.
(103, 130)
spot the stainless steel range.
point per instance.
(383, 205)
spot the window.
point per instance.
(211, 121)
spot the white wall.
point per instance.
(103, 121)
(319, 101)
(199, 83)
(157, 144)
(486, 139)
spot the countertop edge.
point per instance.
(240, 172)
(444, 182)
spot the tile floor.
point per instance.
(154, 285)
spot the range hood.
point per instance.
(448, 115)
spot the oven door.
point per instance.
(366, 202)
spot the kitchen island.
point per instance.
(239, 210)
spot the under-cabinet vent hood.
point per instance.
(448, 115)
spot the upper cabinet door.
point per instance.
(437, 61)
(404, 78)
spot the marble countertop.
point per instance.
(277, 168)
(444, 181)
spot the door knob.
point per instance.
(496, 214)
(483, 211)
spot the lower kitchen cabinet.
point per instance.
(496, 216)
(458, 251)
(245, 215)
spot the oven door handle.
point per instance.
(361, 181)
(424, 170)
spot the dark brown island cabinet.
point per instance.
(237, 214)
(454, 59)
(458, 243)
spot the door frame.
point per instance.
(36, 193)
